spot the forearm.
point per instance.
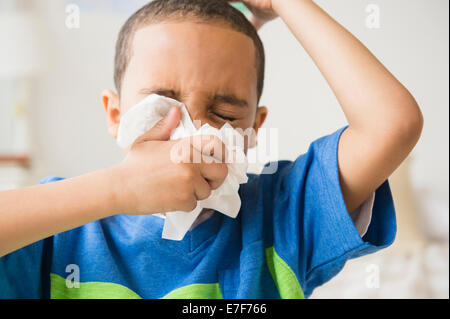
(33, 213)
(367, 92)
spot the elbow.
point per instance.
(413, 123)
(408, 124)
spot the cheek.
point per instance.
(127, 101)
(249, 120)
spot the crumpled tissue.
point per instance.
(225, 199)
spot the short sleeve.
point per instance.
(24, 273)
(312, 230)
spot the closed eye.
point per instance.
(226, 118)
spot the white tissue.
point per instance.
(225, 199)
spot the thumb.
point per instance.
(162, 130)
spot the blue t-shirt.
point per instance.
(292, 234)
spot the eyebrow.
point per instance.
(224, 98)
(159, 91)
(230, 99)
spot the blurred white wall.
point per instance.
(69, 134)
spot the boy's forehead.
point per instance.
(189, 51)
(188, 32)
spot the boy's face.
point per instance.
(209, 67)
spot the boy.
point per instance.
(296, 227)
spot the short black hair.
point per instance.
(201, 10)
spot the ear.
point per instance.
(112, 108)
(260, 117)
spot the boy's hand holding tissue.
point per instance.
(197, 184)
(145, 182)
(151, 182)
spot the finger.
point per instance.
(214, 173)
(162, 130)
(210, 147)
(202, 188)
(198, 149)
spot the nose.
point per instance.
(198, 111)
(196, 116)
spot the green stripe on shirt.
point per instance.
(108, 290)
(89, 290)
(285, 279)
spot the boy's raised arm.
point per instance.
(384, 120)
